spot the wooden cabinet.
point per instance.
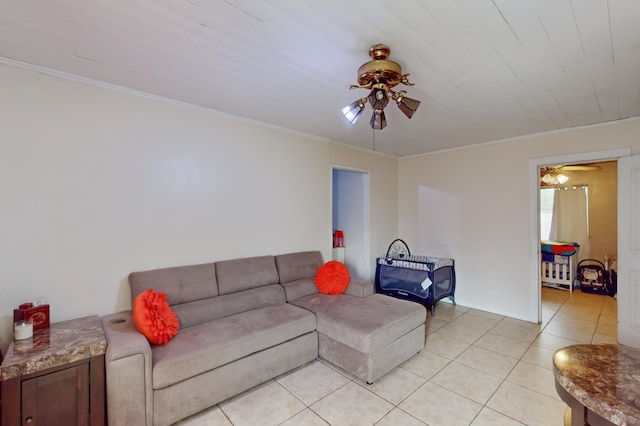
(61, 395)
(58, 382)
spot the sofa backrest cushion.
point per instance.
(197, 295)
(299, 288)
(184, 286)
(205, 310)
(181, 284)
(246, 273)
(297, 266)
(297, 272)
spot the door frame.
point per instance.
(535, 289)
(359, 261)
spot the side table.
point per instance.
(599, 383)
(57, 377)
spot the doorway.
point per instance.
(350, 214)
(534, 208)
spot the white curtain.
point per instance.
(570, 220)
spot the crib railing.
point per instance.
(558, 275)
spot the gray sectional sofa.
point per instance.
(243, 322)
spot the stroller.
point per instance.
(593, 276)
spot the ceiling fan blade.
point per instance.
(579, 168)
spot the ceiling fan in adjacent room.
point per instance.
(552, 175)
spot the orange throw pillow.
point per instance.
(332, 278)
(154, 318)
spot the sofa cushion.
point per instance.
(243, 274)
(367, 324)
(360, 288)
(181, 284)
(307, 286)
(204, 310)
(297, 266)
(209, 345)
(300, 288)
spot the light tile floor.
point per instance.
(477, 368)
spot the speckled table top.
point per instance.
(63, 343)
(603, 378)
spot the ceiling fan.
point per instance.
(552, 175)
(380, 75)
(577, 167)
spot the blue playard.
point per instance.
(422, 279)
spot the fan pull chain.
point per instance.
(374, 138)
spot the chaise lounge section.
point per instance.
(365, 333)
(243, 322)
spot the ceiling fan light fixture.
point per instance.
(407, 105)
(353, 110)
(554, 178)
(378, 98)
(380, 75)
(378, 120)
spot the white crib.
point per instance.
(558, 270)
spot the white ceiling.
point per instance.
(484, 70)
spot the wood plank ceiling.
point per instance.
(484, 70)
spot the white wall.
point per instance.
(473, 205)
(96, 183)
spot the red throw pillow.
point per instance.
(332, 278)
(154, 318)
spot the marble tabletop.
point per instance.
(61, 344)
(603, 378)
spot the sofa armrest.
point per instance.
(360, 288)
(128, 372)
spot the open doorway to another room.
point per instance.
(578, 222)
(351, 213)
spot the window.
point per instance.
(564, 216)
(546, 212)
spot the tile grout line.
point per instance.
(503, 380)
(451, 318)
